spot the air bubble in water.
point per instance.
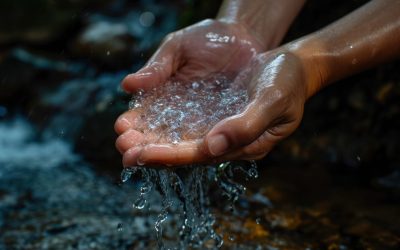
(178, 107)
(195, 85)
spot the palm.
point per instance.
(210, 47)
(202, 50)
(197, 51)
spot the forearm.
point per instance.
(364, 38)
(268, 20)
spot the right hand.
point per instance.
(197, 51)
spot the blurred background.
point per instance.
(334, 184)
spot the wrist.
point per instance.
(267, 20)
(314, 62)
(250, 28)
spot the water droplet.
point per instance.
(253, 173)
(140, 92)
(139, 162)
(218, 240)
(127, 173)
(120, 227)
(144, 189)
(140, 203)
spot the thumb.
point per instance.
(158, 69)
(239, 130)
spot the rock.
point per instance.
(121, 40)
(51, 199)
(24, 75)
(39, 21)
(106, 41)
(83, 111)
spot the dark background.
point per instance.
(61, 63)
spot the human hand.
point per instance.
(198, 51)
(278, 84)
(277, 88)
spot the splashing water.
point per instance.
(179, 111)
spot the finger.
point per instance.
(260, 147)
(129, 139)
(158, 69)
(256, 150)
(168, 154)
(240, 130)
(128, 120)
(129, 158)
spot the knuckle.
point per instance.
(260, 147)
(168, 38)
(281, 96)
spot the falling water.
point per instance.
(179, 111)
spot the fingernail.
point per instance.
(217, 145)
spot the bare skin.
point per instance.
(279, 83)
(267, 20)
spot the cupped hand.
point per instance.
(277, 86)
(275, 82)
(197, 51)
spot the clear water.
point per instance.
(179, 111)
(186, 110)
(185, 193)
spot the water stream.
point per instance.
(179, 111)
(185, 193)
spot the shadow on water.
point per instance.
(333, 185)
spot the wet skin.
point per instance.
(279, 81)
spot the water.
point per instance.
(179, 111)
(187, 110)
(185, 193)
(57, 201)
